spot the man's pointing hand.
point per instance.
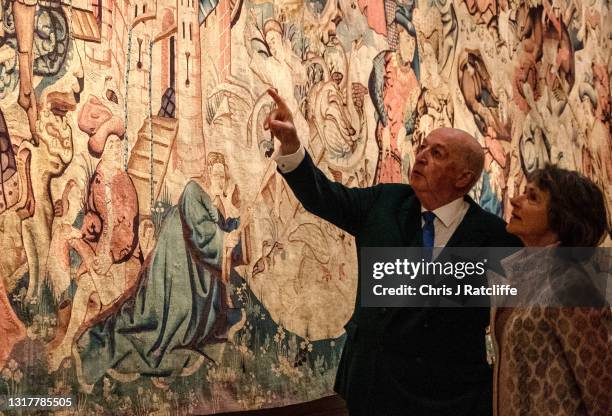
(280, 122)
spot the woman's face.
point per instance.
(529, 219)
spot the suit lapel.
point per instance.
(469, 233)
(410, 219)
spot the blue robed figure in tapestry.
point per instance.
(180, 314)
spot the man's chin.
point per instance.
(416, 180)
(420, 189)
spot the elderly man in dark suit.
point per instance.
(406, 361)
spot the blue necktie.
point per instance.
(428, 234)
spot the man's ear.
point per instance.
(465, 180)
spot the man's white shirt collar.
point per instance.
(448, 213)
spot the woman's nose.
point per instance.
(516, 201)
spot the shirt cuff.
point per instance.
(287, 163)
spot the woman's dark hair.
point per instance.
(577, 209)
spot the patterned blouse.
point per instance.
(551, 360)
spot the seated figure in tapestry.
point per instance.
(180, 312)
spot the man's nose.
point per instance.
(421, 157)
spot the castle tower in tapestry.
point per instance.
(164, 39)
(216, 28)
(190, 148)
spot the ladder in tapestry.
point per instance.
(148, 175)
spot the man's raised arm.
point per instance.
(344, 207)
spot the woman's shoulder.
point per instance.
(579, 283)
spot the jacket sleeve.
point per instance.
(344, 207)
(584, 334)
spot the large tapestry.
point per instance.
(152, 259)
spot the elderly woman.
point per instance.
(551, 360)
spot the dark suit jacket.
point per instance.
(405, 361)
